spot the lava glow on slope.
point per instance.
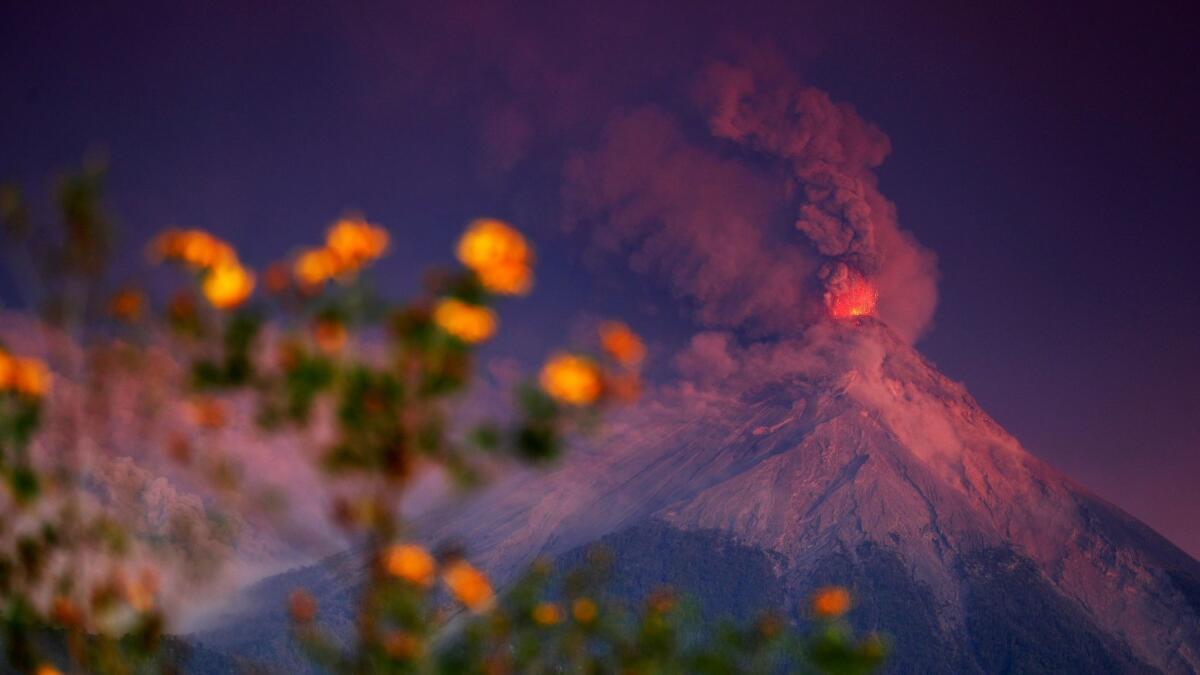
(856, 298)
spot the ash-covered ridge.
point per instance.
(850, 459)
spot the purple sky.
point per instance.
(1047, 156)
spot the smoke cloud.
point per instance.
(767, 221)
(831, 154)
(696, 218)
(752, 193)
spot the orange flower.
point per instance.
(624, 387)
(127, 304)
(179, 449)
(140, 594)
(315, 266)
(276, 277)
(302, 606)
(771, 625)
(401, 645)
(584, 610)
(547, 613)
(499, 255)
(622, 344)
(411, 563)
(289, 354)
(65, 612)
(468, 585)
(8, 371)
(195, 248)
(208, 413)
(874, 647)
(831, 602)
(661, 601)
(356, 242)
(182, 307)
(469, 323)
(228, 285)
(27, 376)
(47, 669)
(571, 379)
(330, 335)
(506, 279)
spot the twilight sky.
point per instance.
(1046, 156)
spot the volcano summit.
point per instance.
(841, 458)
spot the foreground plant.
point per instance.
(385, 381)
(71, 587)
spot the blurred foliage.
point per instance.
(63, 597)
(391, 402)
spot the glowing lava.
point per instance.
(856, 297)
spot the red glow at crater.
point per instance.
(855, 298)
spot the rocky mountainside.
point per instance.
(845, 459)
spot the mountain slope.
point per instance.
(849, 459)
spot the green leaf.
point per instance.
(537, 443)
(485, 436)
(24, 484)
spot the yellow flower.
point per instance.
(411, 563)
(499, 255)
(196, 248)
(571, 379)
(831, 602)
(622, 344)
(316, 266)
(356, 242)
(47, 669)
(29, 377)
(228, 285)
(584, 610)
(547, 613)
(468, 585)
(469, 323)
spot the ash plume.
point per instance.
(752, 193)
(831, 154)
(698, 219)
(769, 225)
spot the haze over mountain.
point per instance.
(843, 457)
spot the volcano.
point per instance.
(844, 458)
